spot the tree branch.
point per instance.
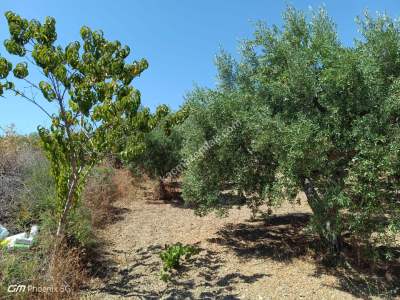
(318, 105)
(31, 83)
(32, 101)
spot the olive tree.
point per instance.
(89, 82)
(316, 117)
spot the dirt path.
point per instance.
(239, 259)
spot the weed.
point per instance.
(171, 258)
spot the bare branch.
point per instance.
(32, 101)
(31, 83)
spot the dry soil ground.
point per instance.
(239, 258)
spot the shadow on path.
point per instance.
(280, 237)
(284, 238)
(198, 278)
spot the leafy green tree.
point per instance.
(231, 162)
(130, 142)
(315, 116)
(161, 152)
(161, 147)
(90, 83)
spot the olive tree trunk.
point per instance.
(325, 218)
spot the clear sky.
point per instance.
(179, 38)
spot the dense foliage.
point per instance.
(160, 150)
(314, 116)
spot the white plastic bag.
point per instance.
(11, 240)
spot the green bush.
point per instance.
(160, 155)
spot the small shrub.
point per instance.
(38, 194)
(19, 156)
(171, 258)
(80, 232)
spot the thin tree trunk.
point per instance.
(163, 191)
(312, 195)
(160, 191)
(67, 207)
(74, 175)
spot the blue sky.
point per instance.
(178, 38)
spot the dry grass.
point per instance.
(101, 191)
(47, 272)
(65, 277)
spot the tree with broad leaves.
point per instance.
(90, 83)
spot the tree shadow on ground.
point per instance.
(128, 281)
(172, 196)
(284, 238)
(362, 283)
(198, 278)
(97, 261)
(111, 216)
(279, 237)
(367, 278)
(205, 269)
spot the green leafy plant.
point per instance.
(90, 84)
(161, 154)
(171, 258)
